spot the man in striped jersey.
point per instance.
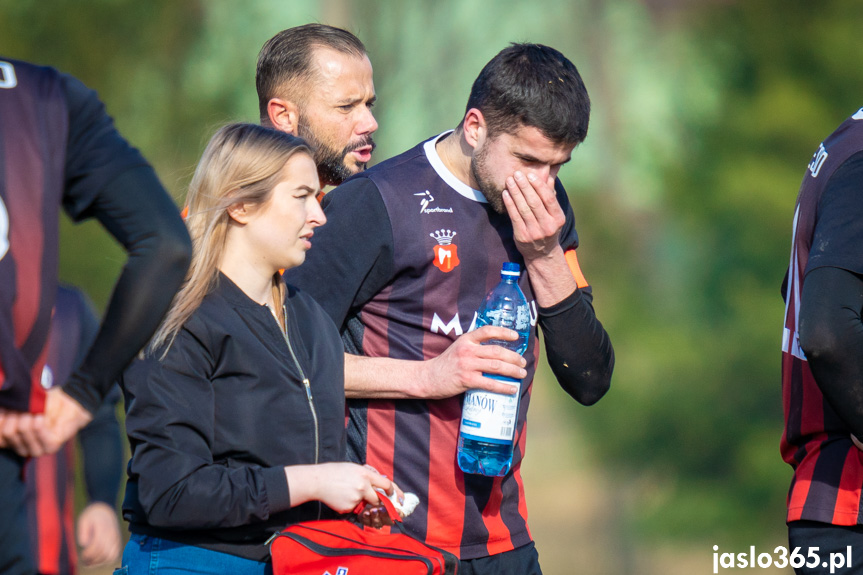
(410, 249)
(51, 478)
(59, 147)
(822, 353)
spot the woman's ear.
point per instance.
(240, 212)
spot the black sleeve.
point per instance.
(838, 234)
(102, 452)
(352, 254)
(831, 326)
(831, 336)
(108, 180)
(101, 440)
(568, 234)
(170, 420)
(578, 348)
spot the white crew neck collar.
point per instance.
(447, 176)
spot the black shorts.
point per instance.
(15, 554)
(521, 561)
(824, 539)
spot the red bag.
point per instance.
(341, 547)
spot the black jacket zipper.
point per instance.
(306, 384)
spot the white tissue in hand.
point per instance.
(411, 502)
(406, 508)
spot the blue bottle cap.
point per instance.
(510, 269)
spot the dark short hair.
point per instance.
(532, 85)
(286, 58)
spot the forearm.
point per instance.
(460, 367)
(217, 496)
(831, 335)
(383, 377)
(578, 348)
(550, 278)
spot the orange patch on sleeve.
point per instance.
(572, 260)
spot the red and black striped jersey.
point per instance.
(34, 123)
(49, 479)
(405, 260)
(828, 468)
(58, 147)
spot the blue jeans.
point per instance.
(145, 555)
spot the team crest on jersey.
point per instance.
(445, 252)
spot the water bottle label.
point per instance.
(489, 416)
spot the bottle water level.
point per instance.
(481, 450)
(483, 457)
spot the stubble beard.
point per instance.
(479, 171)
(331, 163)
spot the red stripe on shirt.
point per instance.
(381, 436)
(849, 489)
(47, 513)
(498, 534)
(69, 510)
(37, 392)
(445, 520)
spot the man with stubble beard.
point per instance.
(315, 81)
(409, 251)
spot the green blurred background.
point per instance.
(705, 114)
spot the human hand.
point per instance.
(64, 417)
(857, 442)
(98, 534)
(32, 435)
(340, 486)
(376, 515)
(461, 366)
(22, 432)
(536, 215)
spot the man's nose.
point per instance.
(367, 124)
(543, 172)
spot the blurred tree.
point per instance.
(694, 418)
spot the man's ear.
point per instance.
(240, 212)
(475, 131)
(284, 115)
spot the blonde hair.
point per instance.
(242, 163)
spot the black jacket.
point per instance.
(213, 424)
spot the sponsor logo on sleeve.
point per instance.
(818, 160)
(8, 79)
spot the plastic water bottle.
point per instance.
(488, 419)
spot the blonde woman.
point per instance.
(236, 413)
